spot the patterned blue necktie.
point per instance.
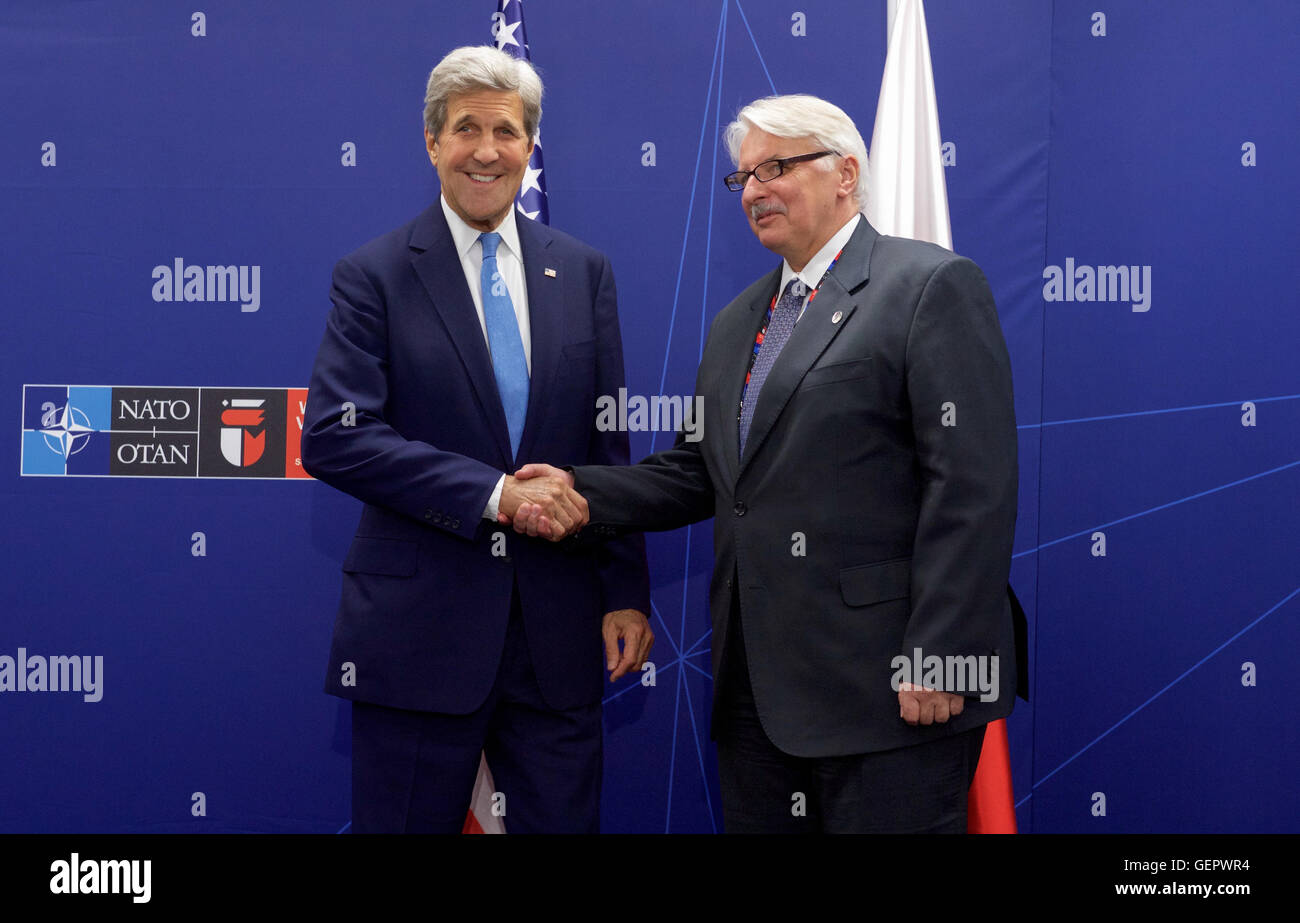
(503, 339)
(778, 331)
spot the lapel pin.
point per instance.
(549, 272)
(837, 317)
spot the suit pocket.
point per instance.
(840, 371)
(387, 556)
(582, 350)
(868, 584)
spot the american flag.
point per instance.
(509, 34)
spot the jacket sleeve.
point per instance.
(349, 444)
(958, 378)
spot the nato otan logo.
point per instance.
(65, 430)
(113, 430)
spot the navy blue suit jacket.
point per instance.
(403, 414)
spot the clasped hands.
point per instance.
(539, 500)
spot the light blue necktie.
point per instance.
(507, 347)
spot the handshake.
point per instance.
(539, 500)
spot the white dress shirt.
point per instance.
(510, 261)
(811, 275)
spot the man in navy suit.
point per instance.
(458, 344)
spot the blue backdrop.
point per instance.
(1158, 406)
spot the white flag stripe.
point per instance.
(481, 803)
(908, 196)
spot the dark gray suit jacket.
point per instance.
(884, 448)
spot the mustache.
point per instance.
(759, 209)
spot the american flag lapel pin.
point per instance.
(549, 272)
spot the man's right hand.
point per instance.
(539, 500)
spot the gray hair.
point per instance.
(803, 116)
(481, 67)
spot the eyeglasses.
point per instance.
(768, 170)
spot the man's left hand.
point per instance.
(633, 628)
(918, 705)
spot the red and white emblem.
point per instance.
(243, 431)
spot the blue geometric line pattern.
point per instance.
(713, 95)
(1156, 509)
(1286, 599)
(1147, 413)
(754, 42)
(690, 207)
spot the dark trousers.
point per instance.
(916, 789)
(414, 772)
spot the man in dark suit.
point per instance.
(859, 460)
(457, 343)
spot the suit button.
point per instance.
(428, 514)
(455, 523)
(739, 509)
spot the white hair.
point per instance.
(802, 116)
(481, 67)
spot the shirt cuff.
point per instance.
(494, 502)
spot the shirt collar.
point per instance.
(811, 275)
(466, 237)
